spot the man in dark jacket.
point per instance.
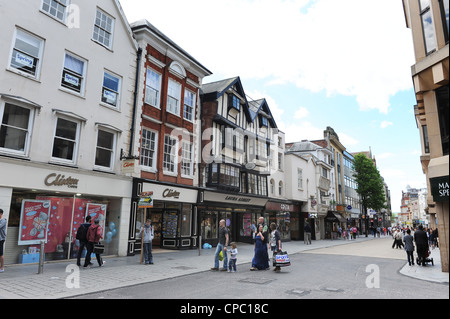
(421, 239)
(83, 241)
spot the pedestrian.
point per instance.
(409, 246)
(261, 258)
(95, 234)
(233, 257)
(221, 247)
(82, 238)
(398, 239)
(355, 230)
(265, 231)
(148, 235)
(421, 239)
(3, 224)
(275, 242)
(307, 234)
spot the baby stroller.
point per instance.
(427, 259)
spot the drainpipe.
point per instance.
(136, 87)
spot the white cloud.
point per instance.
(301, 113)
(320, 45)
(384, 155)
(385, 124)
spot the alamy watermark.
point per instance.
(373, 280)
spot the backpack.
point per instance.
(82, 233)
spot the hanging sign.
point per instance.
(34, 218)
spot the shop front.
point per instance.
(172, 210)
(333, 223)
(241, 214)
(286, 215)
(48, 205)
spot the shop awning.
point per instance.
(335, 217)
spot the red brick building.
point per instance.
(170, 80)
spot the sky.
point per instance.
(318, 63)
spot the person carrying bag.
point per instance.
(94, 235)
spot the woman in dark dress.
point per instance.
(261, 259)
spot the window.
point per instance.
(173, 97)
(152, 88)
(234, 102)
(56, 8)
(148, 149)
(426, 143)
(442, 106)
(186, 159)
(280, 161)
(104, 154)
(170, 154)
(272, 187)
(189, 105)
(73, 74)
(299, 178)
(280, 188)
(15, 129)
(111, 88)
(103, 29)
(27, 53)
(264, 121)
(429, 33)
(65, 140)
(444, 14)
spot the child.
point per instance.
(233, 258)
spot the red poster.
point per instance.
(34, 218)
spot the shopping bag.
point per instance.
(99, 249)
(281, 259)
(221, 255)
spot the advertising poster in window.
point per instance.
(97, 211)
(34, 218)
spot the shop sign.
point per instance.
(129, 166)
(61, 180)
(171, 193)
(233, 199)
(440, 188)
(282, 207)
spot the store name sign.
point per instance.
(171, 193)
(61, 180)
(440, 188)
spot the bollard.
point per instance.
(41, 258)
(199, 245)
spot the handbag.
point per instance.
(99, 248)
(281, 259)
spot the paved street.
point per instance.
(325, 269)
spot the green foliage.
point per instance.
(370, 183)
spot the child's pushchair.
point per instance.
(427, 259)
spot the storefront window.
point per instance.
(209, 225)
(186, 220)
(65, 215)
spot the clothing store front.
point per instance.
(333, 222)
(48, 204)
(172, 210)
(240, 213)
(286, 215)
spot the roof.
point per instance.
(144, 24)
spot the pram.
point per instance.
(427, 259)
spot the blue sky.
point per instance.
(344, 64)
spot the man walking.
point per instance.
(421, 239)
(307, 234)
(3, 224)
(222, 247)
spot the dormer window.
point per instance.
(264, 121)
(234, 102)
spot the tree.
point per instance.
(370, 185)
